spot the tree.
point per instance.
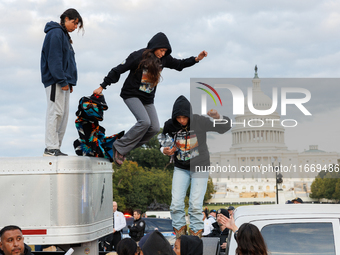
(317, 188)
(135, 187)
(336, 194)
(149, 155)
(327, 184)
(210, 190)
(208, 194)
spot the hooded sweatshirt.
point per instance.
(136, 84)
(57, 62)
(191, 245)
(191, 140)
(156, 244)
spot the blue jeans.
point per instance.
(180, 182)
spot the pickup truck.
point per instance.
(293, 228)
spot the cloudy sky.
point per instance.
(286, 39)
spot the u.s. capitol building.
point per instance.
(261, 146)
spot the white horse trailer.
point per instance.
(64, 201)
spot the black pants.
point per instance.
(110, 242)
(116, 237)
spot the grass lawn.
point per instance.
(216, 207)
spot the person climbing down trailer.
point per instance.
(138, 92)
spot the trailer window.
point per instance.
(299, 238)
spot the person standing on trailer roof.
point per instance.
(59, 76)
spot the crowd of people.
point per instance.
(248, 238)
(218, 223)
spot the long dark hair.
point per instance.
(250, 241)
(206, 212)
(72, 14)
(126, 246)
(8, 228)
(153, 64)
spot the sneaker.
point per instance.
(118, 158)
(53, 152)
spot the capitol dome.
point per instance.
(260, 100)
(258, 132)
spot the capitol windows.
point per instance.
(268, 188)
(251, 188)
(235, 187)
(260, 188)
(244, 188)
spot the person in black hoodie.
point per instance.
(190, 149)
(138, 92)
(59, 76)
(156, 244)
(188, 245)
(12, 242)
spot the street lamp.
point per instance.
(278, 177)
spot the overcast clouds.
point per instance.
(284, 38)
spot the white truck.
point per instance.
(158, 214)
(63, 201)
(298, 229)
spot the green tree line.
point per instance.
(327, 184)
(144, 177)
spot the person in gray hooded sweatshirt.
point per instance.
(59, 76)
(138, 91)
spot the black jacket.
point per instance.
(216, 232)
(191, 140)
(133, 86)
(137, 229)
